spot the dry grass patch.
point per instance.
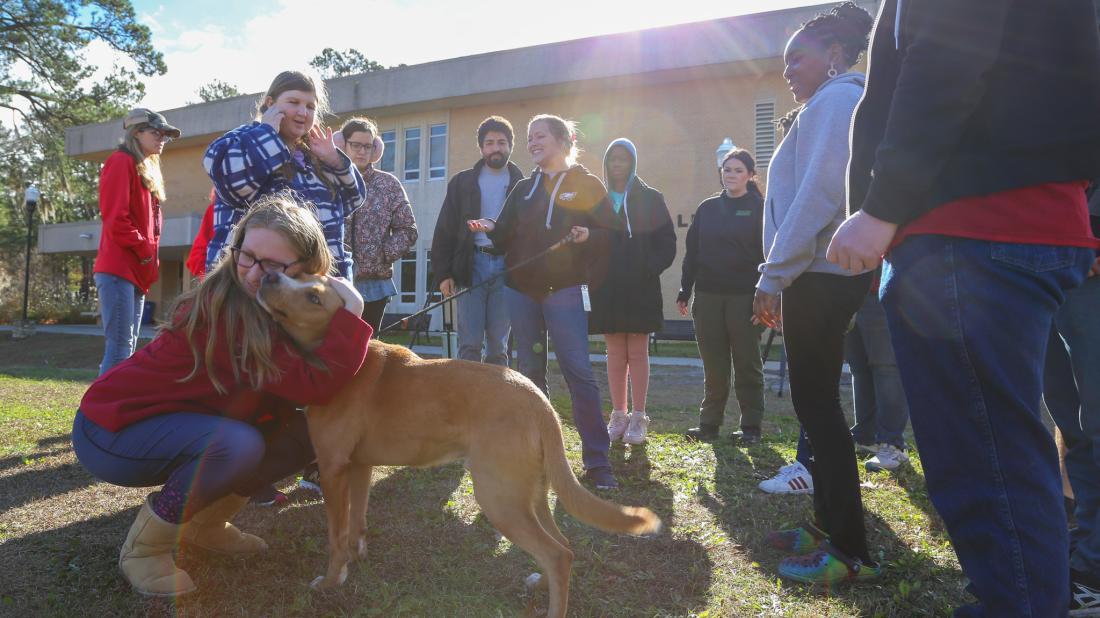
(432, 553)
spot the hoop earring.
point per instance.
(832, 71)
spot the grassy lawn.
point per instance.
(431, 553)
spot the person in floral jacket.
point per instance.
(383, 229)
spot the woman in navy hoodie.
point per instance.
(550, 293)
(627, 305)
(722, 253)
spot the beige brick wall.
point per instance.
(676, 127)
(185, 180)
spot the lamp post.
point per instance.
(723, 148)
(30, 200)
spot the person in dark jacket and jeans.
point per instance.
(627, 306)
(724, 249)
(967, 176)
(551, 292)
(462, 259)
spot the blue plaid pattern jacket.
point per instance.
(245, 164)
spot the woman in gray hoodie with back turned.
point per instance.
(803, 207)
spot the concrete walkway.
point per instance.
(147, 332)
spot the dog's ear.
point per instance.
(342, 288)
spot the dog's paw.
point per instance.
(325, 583)
(361, 548)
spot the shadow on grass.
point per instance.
(615, 574)
(747, 514)
(71, 570)
(48, 447)
(425, 558)
(37, 482)
(429, 553)
(913, 483)
(51, 373)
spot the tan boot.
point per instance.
(146, 557)
(210, 529)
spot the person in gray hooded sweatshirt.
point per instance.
(627, 304)
(805, 204)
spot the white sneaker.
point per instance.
(870, 449)
(888, 457)
(617, 426)
(792, 479)
(635, 430)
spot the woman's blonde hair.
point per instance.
(148, 167)
(565, 131)
(220, 308)
(304, 82)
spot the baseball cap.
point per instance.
(141, 115)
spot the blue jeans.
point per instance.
(878, 397)
(970, 322)
(120, 307)
(1071, 387)
(562, 315)
(200, 457)
(803, 454)
(483, 314)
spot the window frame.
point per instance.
(389, 149)
(412, 174)
(437, 172)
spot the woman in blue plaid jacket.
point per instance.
(285, 149)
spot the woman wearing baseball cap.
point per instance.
(131, 190)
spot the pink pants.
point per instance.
(627, 354)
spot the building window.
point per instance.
(437, 152)
(764, 146)
(406, 277)
(389, 154)
(412, 154)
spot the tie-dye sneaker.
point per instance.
(799, 541)
(827, 566)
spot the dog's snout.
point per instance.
(271, 279)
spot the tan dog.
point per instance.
(402, 410)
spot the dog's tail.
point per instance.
(577, 500)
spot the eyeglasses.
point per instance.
(360, 147)
(245, 259)
(161, 135)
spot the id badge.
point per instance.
(585, 299)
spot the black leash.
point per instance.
(404, 322)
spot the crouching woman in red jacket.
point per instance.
(208, 407)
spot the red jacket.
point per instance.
(196, 260)
(131, 224)
(147, 383)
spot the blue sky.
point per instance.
(246, 44)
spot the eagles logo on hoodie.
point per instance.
(540, 211)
